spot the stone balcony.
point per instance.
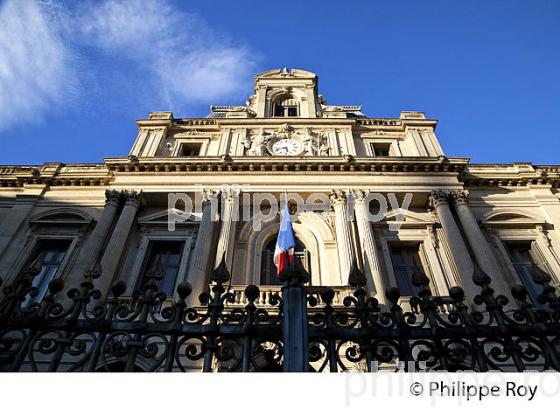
(267, 294)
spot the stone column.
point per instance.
(115, 247)
(478, 243)
(372, 268)
(93, 245)
(461, 257)
(230, 203)
(200, 260)
(344, 244)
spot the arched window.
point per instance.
(287, 107)
(268, 269)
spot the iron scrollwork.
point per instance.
(80, 331)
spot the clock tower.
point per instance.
(287, 102)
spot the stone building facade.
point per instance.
(113, 216)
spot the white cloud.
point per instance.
(190, 61)
(36, 71)
(185, 60)
(134, 26)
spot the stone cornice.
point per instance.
(511, 175)
(472, 175)
(397, 124)
(154, 123)
(278, 164)
(157, 119)
(59, 174)
(55, 174)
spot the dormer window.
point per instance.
(190, 150)
(380, 150)
(286, 108)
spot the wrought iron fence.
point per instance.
(293, 331)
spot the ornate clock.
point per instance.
(286, 147)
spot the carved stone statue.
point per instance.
(310, 145)
(316, 145)
(246, 143)
(258, 145)
(323, 150)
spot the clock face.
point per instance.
(286, 147)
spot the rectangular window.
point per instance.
(292, 111)
(281, 110)
(406, 261)
(522, 261)
(278, 110)
(380, 150)
(190, 150)
(49, 254)
(164, 255)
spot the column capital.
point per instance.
(210, 195)
(460, 197)
(230, 194)
(439, 197)
(112, 197)
(133, 198)
(338, 197)
(359, 195)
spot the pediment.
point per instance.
(163, 217)
(408, 217)
(512, 217)
(61, 217)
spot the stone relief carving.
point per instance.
(246, 142)
(261, 142)
(323, 147)
(316, 145)
(188, 133)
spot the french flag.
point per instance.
(286, 242)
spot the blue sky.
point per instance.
(75, 76)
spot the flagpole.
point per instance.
(294, 309)
(288, 215)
